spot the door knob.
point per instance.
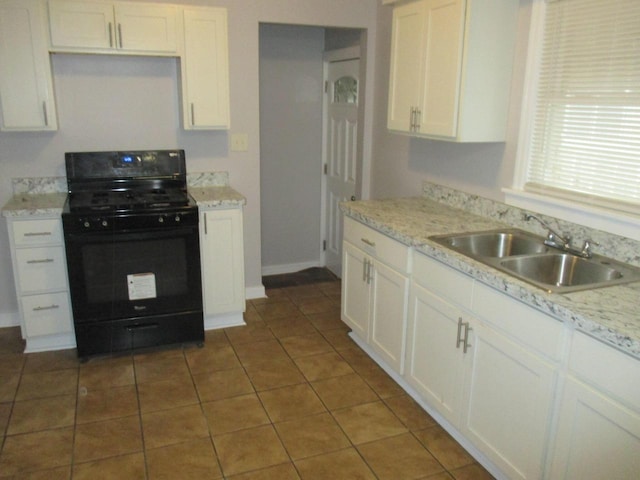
(353, 198)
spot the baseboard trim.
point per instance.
(10, 319)
(224, 320)
(288, 268)
(255, 292)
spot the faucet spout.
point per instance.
(554, 239)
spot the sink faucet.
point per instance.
(562, 242)
(554, 239)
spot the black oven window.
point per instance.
(107, 267)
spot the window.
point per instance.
(580, 136)
(345, 90)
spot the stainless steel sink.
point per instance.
(525, 256)
(496, 244)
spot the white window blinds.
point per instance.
(585, 143)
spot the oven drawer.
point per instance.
(47, 314)
(41, 269)
(37, 232)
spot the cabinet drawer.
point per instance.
(47, 314)
(607, 368)
(529, 326)
(442, 280)
(384, 248)
(37, 232)
(41, 268)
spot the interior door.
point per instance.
(341, 151)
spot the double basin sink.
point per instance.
(525, 256)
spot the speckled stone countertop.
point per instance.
(38, 204)
(211, 197)
(610, 314)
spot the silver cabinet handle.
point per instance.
(110, 35)
(364, 269)
(205, 223)
(368, 242)
(418, 119)
(120, 34)
(50, 307)
(466, 345)
(46, 116)
(464, 341)
(369, 265)
(193, 117)
(44, 260)
(37, 234)
(412, 119)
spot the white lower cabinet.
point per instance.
(509, 394)
(435, 364)
(598, 433)
(526, 394)
(40, 274)
(222, 258)
(489, 383)
(375, 290)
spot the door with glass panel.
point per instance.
(341, 151)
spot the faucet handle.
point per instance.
(586, 247)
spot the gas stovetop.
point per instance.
(126, 190)
(128, 201)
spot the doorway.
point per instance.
(292, 180)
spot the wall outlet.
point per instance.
(239, 142)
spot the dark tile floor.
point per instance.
(288, 396)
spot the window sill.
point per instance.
(618, 223)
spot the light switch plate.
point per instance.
(239, 142)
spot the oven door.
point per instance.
(121, 275)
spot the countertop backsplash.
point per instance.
(208, 179)
(38, 185)
(620, 248)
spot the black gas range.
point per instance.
(132, 244)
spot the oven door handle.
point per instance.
(131, 235)
(146, 326)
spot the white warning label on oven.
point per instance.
(141, 286)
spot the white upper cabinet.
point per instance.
(450, 73)
(205, 69)
(124, 27)
(406, 63)
(26, 85)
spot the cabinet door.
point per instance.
(597, 437)
(26, 86)
(435, 366)
(408, 33)
(389, 301)
(222, 257)
(148, 28)
(355, 290)
(510, 397)
(41, 269)
(205, 69)
(82, 24)
(47, 314)
(438, 112)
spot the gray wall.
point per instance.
(115, 102)
(400, 163)
(291, 79)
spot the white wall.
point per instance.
(400, 164)
(98, 103)
(291, 79)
